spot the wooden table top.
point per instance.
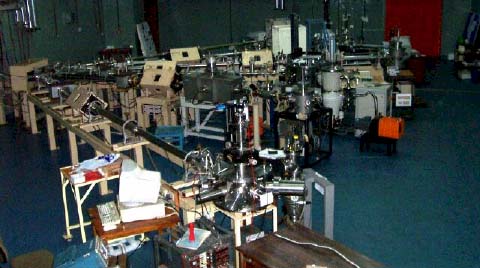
(135, 227)
(275, 252)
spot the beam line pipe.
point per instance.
(141, 132)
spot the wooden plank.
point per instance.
(262, 252)
(51, 133)
(120, 147)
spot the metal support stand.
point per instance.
(199, 124)
(311, 157)
(327, 189)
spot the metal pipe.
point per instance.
(256, 127)
(22, 12)
(294, 21)
(360, 57)
(33, 16)
(280, 4)
(332, 49)
(245, 43)
(140, 132)
(95, 142)
(326, 13)
(285, 187)
(258, 73)
(206, 196)
(303, 80)
(204, 65)
(17, 16)
(230, 44)
(28, 21)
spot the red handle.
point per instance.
(191, 228)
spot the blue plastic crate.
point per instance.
(171, 134)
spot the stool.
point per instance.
(372, 135)
(368, 138)
(171, 134)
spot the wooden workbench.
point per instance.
(275, 252)
(133, 228)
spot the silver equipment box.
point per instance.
(219, 88)
(365, 105)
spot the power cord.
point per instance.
(142, 242)
(318, 246)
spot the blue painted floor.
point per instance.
(418, 208)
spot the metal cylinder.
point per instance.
(210, 195)
(333, 100)
(331, 81)
(280, 4)
(294, 206)
(303, 104)
(332, 48)
(211, 65)
(285, 187)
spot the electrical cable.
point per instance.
(318, 246)
(142, 242)
(151, 160)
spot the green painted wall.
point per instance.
(375, 11)
(453, 23)
(74, 39)
(188, 23)
(476, 6)
(121, 31)
(206, 22)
